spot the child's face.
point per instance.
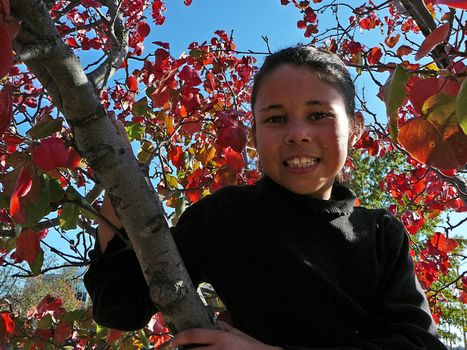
(302, 130)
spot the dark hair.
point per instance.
(329, 67)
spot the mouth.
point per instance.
(301, 162)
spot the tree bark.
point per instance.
(60, 71)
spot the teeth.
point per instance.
(301, 162)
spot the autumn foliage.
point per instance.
(189, 118)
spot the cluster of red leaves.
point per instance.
(178, 110)
(434, 259)
(49, 325)
(310, 19)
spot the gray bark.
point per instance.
(73, 92)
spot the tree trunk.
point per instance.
(60, 72)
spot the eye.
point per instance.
(276, 119)
(319, 115)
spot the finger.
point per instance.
(227, 327)
(196, 336)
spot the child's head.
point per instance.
(329, 67)
(303, 105)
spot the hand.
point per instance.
(224, 338)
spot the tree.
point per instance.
(190, 118)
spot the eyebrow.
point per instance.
(308, 103)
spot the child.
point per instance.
(296, 264)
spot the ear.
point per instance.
(356, 129)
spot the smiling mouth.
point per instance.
(301, 162)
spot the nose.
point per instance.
(297, 133)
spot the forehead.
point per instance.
(288, 82)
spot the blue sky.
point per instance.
(250, 20)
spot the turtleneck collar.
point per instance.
(342, 202)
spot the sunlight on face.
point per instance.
(302, 130)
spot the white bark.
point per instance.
(60, 71)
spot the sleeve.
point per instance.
(402, 318)
(116, 284)
(119, 293)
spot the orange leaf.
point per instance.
(22, 187)
(234, 160)
(436, 37)
(132, 84)
(436, 144)
(374, 55)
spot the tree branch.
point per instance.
(114, 164)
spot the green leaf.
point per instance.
(10, 244)
(440, 109)
(45, 322)
(461, 106)
(145, 152)
(69, 216)
(50, 192)
(4, 201)
(135, 131)
(74, 315)
(140, 107)
(37, 265)
(84, 206)
(101, 332)
(45, 128)
(395, 97)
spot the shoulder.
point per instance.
(227, 199)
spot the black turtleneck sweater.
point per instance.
(293, 270)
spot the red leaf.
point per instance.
(210, 82)
(176, 156)
(132, 84)
(157, 324)
(457, 4)
(143, 29)
(463, 297)
(436, 37)
(234, 137)
(6, 108)
(52, 153)
(71, 42)
(74, 159)
(162, 44)
(190, 76)
(422, 89)
(374, 55)
(49, 305)
(91, 3)
(62, 332)
(6, 52)
(234, 160)
(285, 2)
(8, 323)
(442, 244)
(113, 335)
(404, 50)
(391, 41)
(27, 246)
(22, 187)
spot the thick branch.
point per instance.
(117, 169)
(119, 41)
(418, 11)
